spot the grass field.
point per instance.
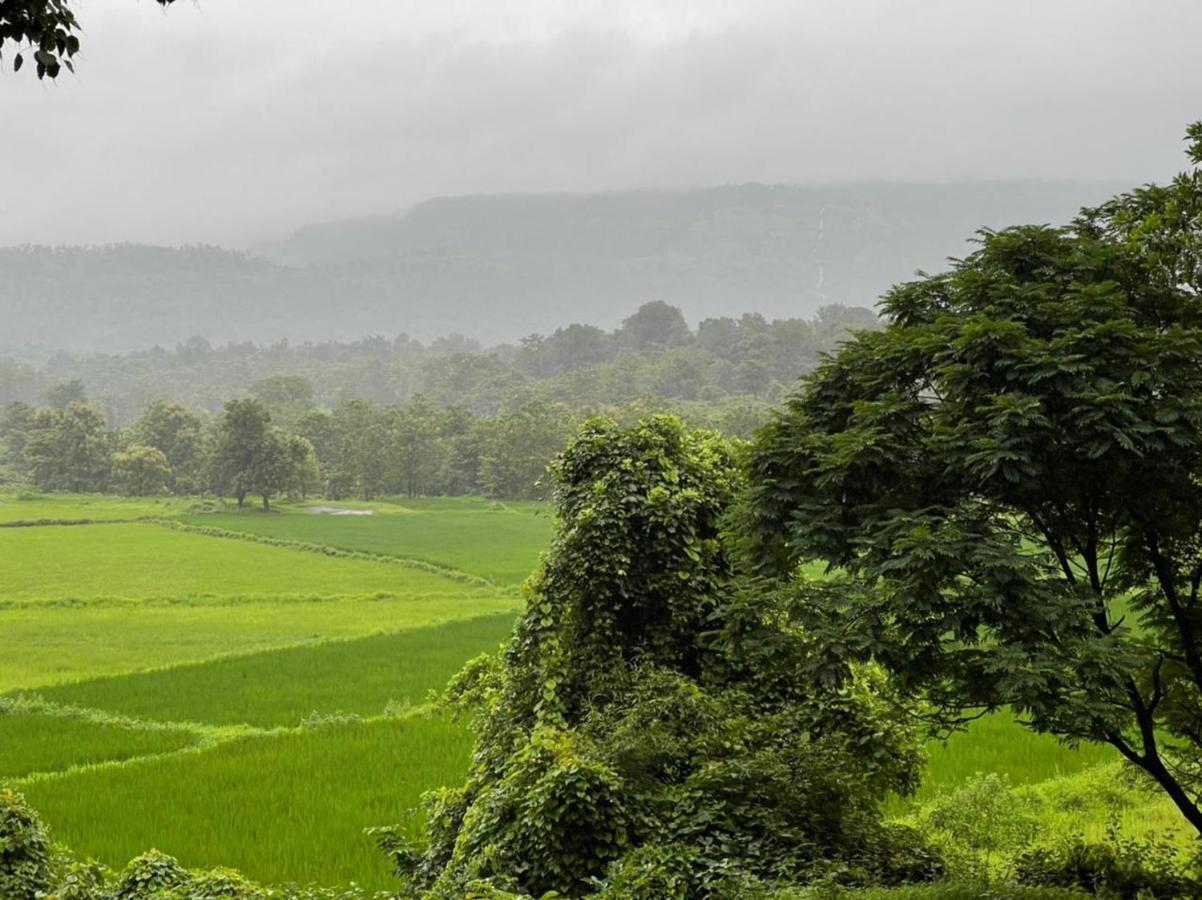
(147, 561)
(35, 743)
(499, 542)
(52, 645)
(281, 687)
(279, 808)
(157, 669)
(86, 508)
(174, 668)
(998, 743)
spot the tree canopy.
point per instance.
(1007, 483)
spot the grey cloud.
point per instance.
(233, 121)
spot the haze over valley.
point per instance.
(497, 268)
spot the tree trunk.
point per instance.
(1152, 764)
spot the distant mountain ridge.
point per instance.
(498, 267)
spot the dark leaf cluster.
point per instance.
(45, 30)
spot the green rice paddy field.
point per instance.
(249, 689)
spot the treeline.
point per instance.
(277, 442)
(379, 417)
(654, 354)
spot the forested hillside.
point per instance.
(741, 364)
(501, 267)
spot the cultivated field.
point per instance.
(239, 688)
(249, 689)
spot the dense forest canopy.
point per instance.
(381, 417)
(653, 354)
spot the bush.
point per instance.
(76, 880)
(25, 857)
(651, 872)
(149, 875)
(943, 890)
(980, 825)
(1120, 867)
(217, 884)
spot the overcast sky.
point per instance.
(234, 121)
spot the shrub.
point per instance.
(217, 884)
(75, 880)
(979, 822)
(25, 857)
(149, 875)
(651, 872)
(1120, 867)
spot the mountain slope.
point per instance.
(503, 266)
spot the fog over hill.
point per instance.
(499, 267)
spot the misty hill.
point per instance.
(499, 267)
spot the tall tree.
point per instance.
(140, 471)
(655, 324)
(179, 434)
(16, 426)
(361, 441)
(1009, 480)
(303, 472)
(287, 397)
(416, 448)
(63, 394)
(283, 464)
(517, 446)
(242, 447)
(69, 449)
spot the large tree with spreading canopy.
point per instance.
(1007, 484)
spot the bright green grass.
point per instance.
(144, 561)
(30, 742)
(57, 644)
(998, 743)
(1089, 802)
(282, 808)
(88, 507)
(500, 544)
(281, 687)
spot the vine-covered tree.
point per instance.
(649, 732)
(1009, 481)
